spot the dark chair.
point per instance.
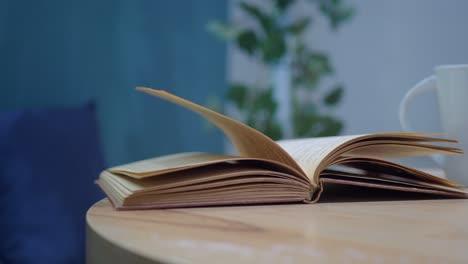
(49, 159)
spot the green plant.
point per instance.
(270, 43)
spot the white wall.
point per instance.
(386, 48)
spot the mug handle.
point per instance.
(426, 85)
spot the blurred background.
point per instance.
(57, 53)
(68, 70)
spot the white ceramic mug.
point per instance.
(451, 84)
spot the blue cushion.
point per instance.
(49, 159)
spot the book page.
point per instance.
(309, 153)
(202, 178)
(394, 149)
(164, 164)
(190, 162)
(315, 154)
(386, 169)
(387, 179)
(340, 189)
(248, 141)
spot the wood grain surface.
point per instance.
(405, 231)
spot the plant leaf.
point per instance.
(273, 130)
(302, 123)
(298, 27)
(319, 63)
(315, 125)
(336, 12)
(329, 126)
(223, 30)
(237, 93)
(247, 40)
(265, 101)
(283, 4)
(265, 20)
(273, 47)
(334, 96)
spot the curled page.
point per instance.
(315, 154)
(248, 141)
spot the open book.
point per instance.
(296, 170)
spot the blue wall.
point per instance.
(56, 53)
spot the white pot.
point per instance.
(281, 81)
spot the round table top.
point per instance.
(385, 231)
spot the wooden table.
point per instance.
(426, 231)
